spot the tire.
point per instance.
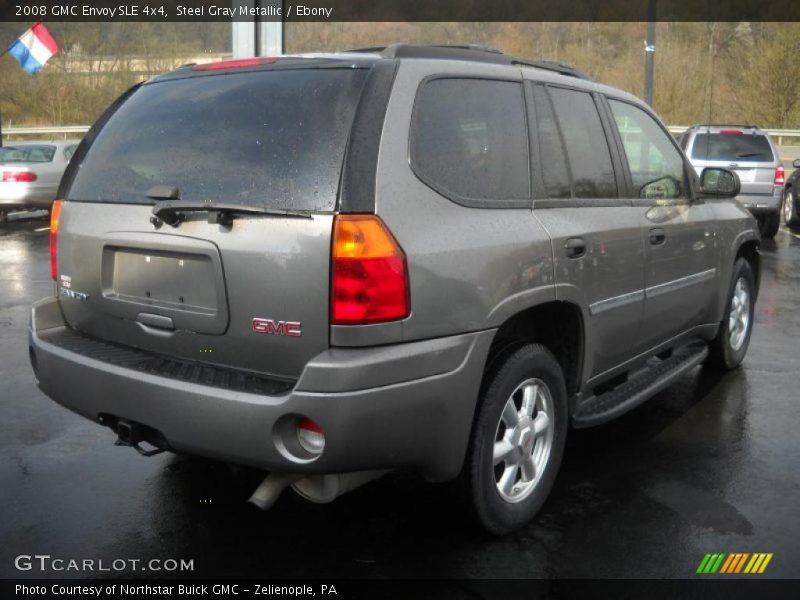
(531, 379)
(3, 217)
(728, 349)
(789, 208)
(768, 225)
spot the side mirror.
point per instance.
(720, 182)
(796, 163)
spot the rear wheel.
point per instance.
(789, 208)
(517, 440)
(768, 224)
(729, 347)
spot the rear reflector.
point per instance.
(55, 216)
(236, 64)
(369, 274)
(310, 436)
(780, 176)
(19, 176)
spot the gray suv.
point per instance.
(750, 152)
(429, 258)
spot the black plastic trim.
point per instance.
(359, 175)
(163, 366)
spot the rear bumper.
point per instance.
(15, 196)
(762, 203)
(408, 405)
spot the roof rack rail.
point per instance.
(724, 125)
(551, 65)
(469, 52)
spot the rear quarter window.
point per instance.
(469, 141)
(273, 138)
(736, 147)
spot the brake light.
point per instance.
(369, 275)
(780, 176)
(55, 216)
(236, 63)
(19, 176)
(730, 132)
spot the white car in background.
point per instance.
(30, 173)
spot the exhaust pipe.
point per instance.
(315, 488)
(271, 488)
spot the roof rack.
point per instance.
(469, 52)
(724, 125)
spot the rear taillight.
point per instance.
(780, 176)
(369, 274)
(55, 216)
(18, 176)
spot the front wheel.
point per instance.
(789, 208)
(729, 347)
(517, 440)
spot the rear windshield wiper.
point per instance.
(748, 154)
(172, 212)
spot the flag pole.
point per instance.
(2, 54)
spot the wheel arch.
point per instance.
(557, 325)
(750, 251)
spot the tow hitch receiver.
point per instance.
(130, 434)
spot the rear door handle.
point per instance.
(657, 236)
(576, 247)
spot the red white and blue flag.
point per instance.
(34, 48)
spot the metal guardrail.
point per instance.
(45, 131)
(777, 134)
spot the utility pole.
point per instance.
(650, 52)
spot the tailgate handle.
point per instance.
(155, 321)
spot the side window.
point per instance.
(555, 175)
(69, 151)
(586, 144)
(657, 167)
(469, 140)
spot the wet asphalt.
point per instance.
(709, 465)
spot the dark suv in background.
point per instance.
(431, 258)
(790, 196)
(750, 152)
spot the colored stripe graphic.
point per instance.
(711, 563)
(764, 564)
(741, 562)
(734, 563)
(728, 563)
(703, 563)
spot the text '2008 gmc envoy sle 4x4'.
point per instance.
(429, 258)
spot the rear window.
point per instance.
(732, 147)
(273, 139)
(27, 154)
